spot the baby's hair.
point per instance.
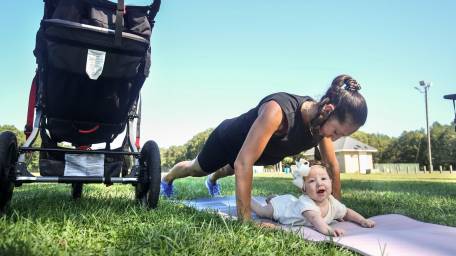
(344, 94)
(323, 165)
(316, 162)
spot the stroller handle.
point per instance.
(450, 97)
(154, 7)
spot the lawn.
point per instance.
(43, 220)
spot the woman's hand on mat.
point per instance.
(267, 225)
(367, 223)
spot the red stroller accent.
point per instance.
(93, 57)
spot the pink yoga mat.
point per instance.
(393, 234)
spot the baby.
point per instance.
(316, 207)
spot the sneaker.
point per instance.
(166, 189)
(213, 189)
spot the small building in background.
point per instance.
(353, 155)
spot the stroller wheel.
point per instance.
(8, 160)
(148, 187)
(76, 190)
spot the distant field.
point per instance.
(43, 220)
(435, 176)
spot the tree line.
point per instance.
(412, 147)
(409, 147)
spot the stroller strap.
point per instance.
(121, 10)
(119, 22)
(154, 8)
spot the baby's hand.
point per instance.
(337, 232)
(367, 223)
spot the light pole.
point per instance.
(425, 86)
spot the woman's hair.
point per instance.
(344, 95)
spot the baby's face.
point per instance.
(318, 184)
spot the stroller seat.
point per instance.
(91, 76)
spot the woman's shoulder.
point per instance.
(286, 95)
(286, 100)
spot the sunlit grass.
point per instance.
(43, 220)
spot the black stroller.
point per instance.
(93, 57)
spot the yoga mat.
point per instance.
(393, 234)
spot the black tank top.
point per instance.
(297, 138)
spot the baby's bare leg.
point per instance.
(264, 211)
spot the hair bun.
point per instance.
(352, 85)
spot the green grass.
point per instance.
(43, 220)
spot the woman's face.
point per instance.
(334, 129)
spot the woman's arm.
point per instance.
(353, 216)
(268, 121)
(329, 156)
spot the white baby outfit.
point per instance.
(288, 209)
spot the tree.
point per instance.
(379, 141)
(288, 161)
(196, 143)
(443, 143)
(174, 154)
(408, 148)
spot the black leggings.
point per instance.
(214, 156)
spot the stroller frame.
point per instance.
(144, 175)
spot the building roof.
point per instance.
(347, 144)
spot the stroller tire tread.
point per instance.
(8, 160)
(148, 189)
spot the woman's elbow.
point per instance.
(241, 165)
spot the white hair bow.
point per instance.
(302, 171)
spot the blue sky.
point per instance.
(213, 60)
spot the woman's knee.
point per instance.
(195, 169)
